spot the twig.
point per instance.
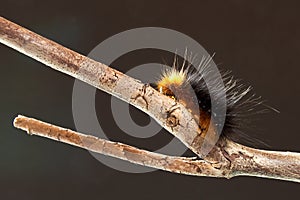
(246, 161)
(118, 150)
(227, 159)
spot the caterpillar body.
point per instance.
(241, 102)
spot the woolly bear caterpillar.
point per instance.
(241, 102)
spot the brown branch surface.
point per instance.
(227, 159)
(118, 150)
(255, 162)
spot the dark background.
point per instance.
(258, 41)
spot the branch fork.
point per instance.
(227, 159)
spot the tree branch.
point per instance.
(181, 165)
(246, 161)
(227, 159)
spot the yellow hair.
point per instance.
(170, 79)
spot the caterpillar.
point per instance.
(241, 102)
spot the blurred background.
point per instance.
(258, 41)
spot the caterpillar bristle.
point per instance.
(241, 102)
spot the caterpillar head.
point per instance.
(171, 82)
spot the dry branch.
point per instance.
(118, 150)
(227, 159)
